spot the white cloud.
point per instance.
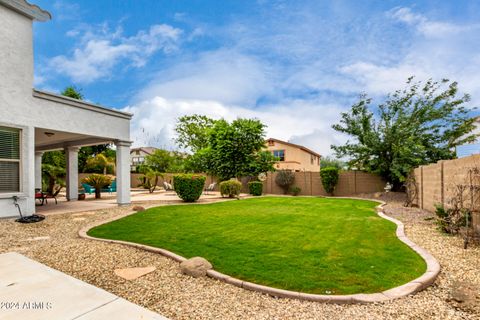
(428, 27)
(226, 76)
(154, 120)
(406, 15)
(98, 53)
(439, 50)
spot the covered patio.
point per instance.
(50, 139)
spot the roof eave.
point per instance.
(297, 146)
(31, 11)
(80, 104)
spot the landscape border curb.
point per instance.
(416, 285)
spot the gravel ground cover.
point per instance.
(55, 242)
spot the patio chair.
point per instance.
(40, 196)
(53, 195)
(167, 186)
(111, 188)
(210, 187)
(88, 188)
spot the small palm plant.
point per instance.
(98, 181)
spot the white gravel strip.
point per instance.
(180, 297)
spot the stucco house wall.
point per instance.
(297, 158)
(31, 110)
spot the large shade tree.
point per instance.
(192, 131)
(164, 161)
(420, 124)
(227, 149)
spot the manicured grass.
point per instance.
(314, 245)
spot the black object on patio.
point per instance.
(26, 219)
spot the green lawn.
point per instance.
(314, 245)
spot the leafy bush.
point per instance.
(230, 188)
(329, 177)
(295, 191)
(452, 219)
(255, 188)
(285, 179)
(98, 181)
(188, 187)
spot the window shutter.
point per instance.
(9, 143)
(9, 159)
(9, 176)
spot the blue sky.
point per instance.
(295, 65)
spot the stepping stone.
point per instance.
(133, 273)
(37, 238)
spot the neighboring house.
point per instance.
(137, 156)
(34, 121)
(293, 156)
(470, 148)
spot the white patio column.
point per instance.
(71, 154)
(123, 172)
(38, 169)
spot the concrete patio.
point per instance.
(138, 196)
(31, 290)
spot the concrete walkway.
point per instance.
(31, 290)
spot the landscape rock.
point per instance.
(138, 208)
(465, 293)
(195, 267)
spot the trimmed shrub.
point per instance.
(188, 187)
(295, 190)
(255, 188)
(329, 177)
(230, 188)
(285, 179)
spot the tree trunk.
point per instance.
(98, 193)
(51, 185)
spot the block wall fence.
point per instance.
(439, 183)
(349, 183)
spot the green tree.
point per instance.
(332, 162)
(237, 149)
(85, 153)
(414, 126)
(198, 162)
(72, 92)
(192, 131)
(165, 161)
(101, 161)
(329, 177)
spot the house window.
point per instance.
(9, 160)
(279, 154)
